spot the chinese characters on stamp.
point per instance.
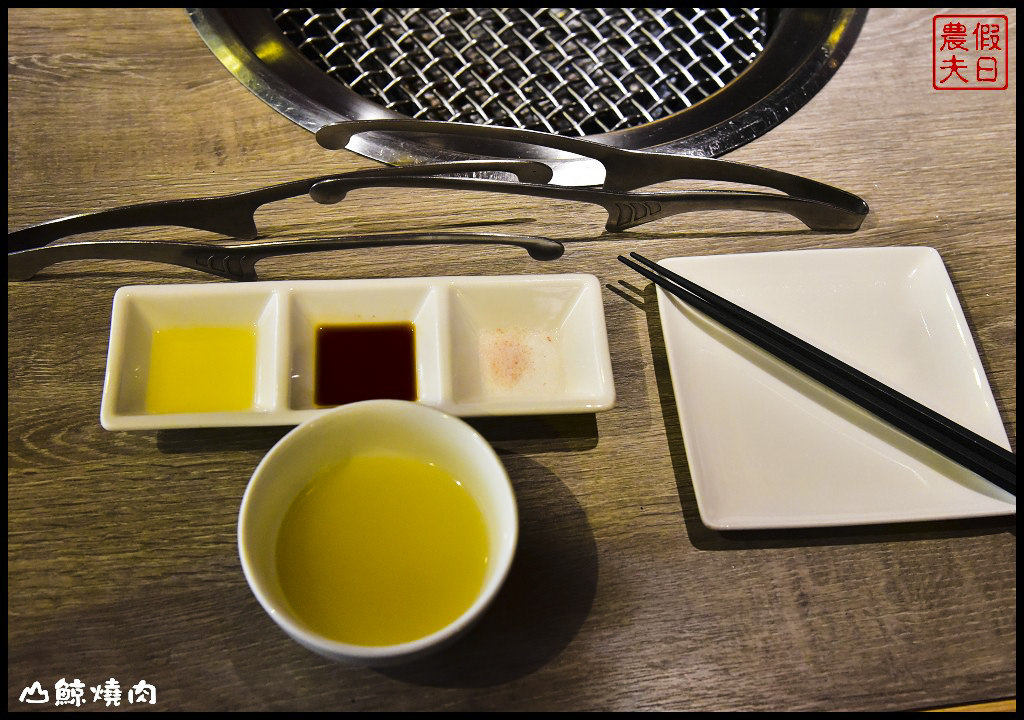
(970, 52)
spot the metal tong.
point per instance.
(238, 261)
(234, 215)
(819, 206)
(598, 174)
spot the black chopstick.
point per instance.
(978, 454)
(932, 418)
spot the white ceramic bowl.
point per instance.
(367, 427)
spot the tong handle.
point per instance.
(234, 215)
(626, 210)
(238, 262)
(624, 169)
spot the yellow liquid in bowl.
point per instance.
(202, 369)
(381, 551)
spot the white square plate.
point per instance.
(770, 448)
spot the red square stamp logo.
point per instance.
(970, 52)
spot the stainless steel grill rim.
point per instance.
(570, 71)
(805, 47)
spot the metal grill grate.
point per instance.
(576, 71)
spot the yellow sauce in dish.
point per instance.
(382, 550)
(202, 369)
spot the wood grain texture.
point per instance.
(121, 546)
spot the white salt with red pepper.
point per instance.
(516, 361)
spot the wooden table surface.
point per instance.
(122, 560)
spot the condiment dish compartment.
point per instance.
(140, 312)
(509, 345)
(366, 303)
(533, 344)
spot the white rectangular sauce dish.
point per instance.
(503, 345)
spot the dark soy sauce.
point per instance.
(364, 362)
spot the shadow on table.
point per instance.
(545, 599)
(539, 433)
(525, 433)
(226, 439)
(705, 538)
(179, 613)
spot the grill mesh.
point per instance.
(575, 71)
